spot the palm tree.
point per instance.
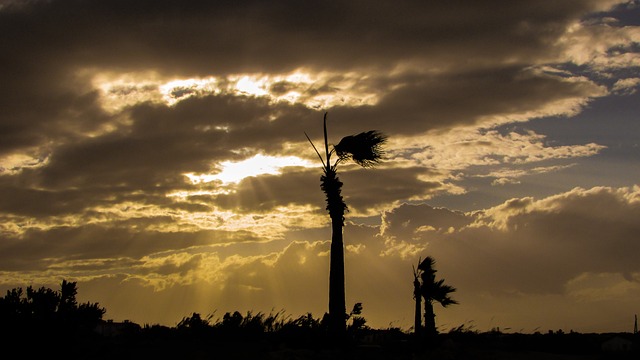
(417, 296)
(365, 149)
(432, 290)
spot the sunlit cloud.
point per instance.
(178, 90)
(578, 201)
(314, 90)
(13, 164)
(404, 250)
(603, 46)
(626, 86)
(466, 147)
(120, 90)
(510, 176)
(274, 224)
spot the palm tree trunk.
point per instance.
(337, 306)
(332, 187)
(429, 318)
(417, 323)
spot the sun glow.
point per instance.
(235, 171)
(247, 85)
(314, 90)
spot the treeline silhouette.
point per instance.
(47, 311)
(46, 323)
(41, 320)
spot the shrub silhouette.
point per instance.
(47, 312)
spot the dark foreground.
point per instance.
(167, 343)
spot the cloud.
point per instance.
(107, 107)
(608, 47)
(141, 36)
(546, 243)
(118, 35)
(626, 86)
(554, 249)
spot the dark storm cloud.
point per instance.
(162, 143)
(423, 102)
(152, 154)
(404, 221)
(121, 241)
(266, 192)
(528, 246)
(205, 37)
(47, 42)
(388, 185)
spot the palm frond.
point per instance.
(428, 265)
(447, 301)
(440, 293)
(365, 148)
(314, 148)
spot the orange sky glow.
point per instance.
(156, 154)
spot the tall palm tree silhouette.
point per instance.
(432, 291)
(365, 149)
(417, 296)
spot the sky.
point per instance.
(155, 153)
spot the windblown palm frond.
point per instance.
(427, 265)
(365, 148)
(432, 289)
(440, 293)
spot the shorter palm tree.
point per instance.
(432, 291)
(417, 296)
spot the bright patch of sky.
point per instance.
(235, 171)
(256, 87)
